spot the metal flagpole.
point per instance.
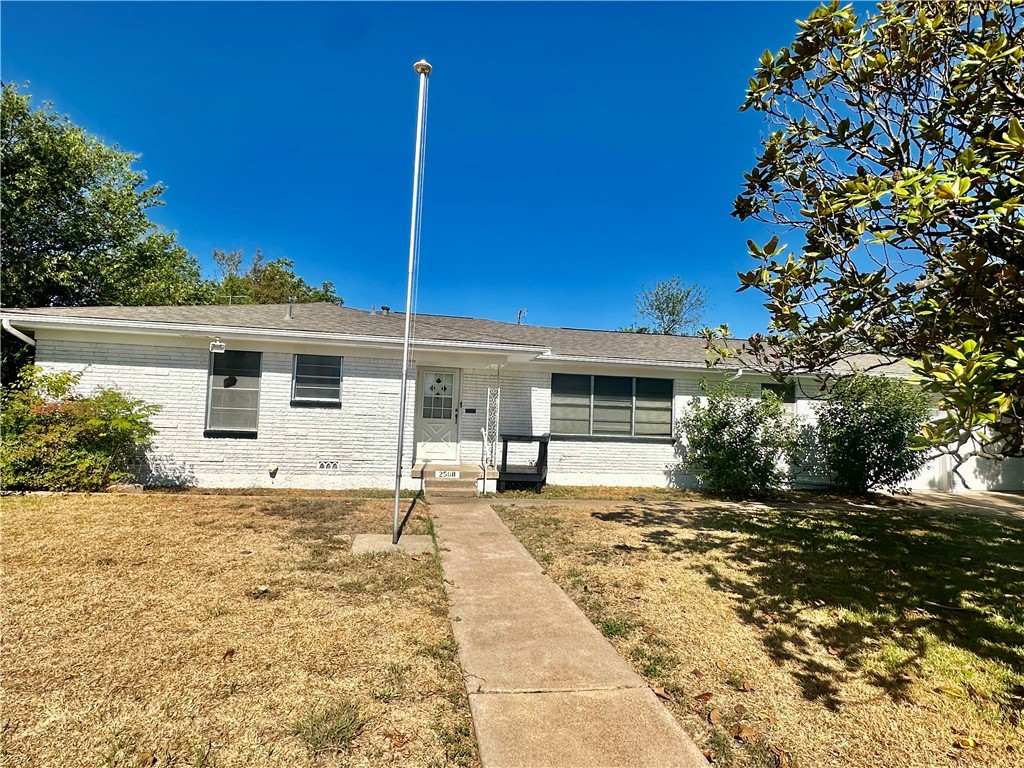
(422, 68)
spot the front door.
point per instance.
(437, 410)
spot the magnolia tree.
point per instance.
(895, 161)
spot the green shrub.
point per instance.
(865, 429)
(738, 443)
(54, 439)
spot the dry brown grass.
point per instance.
(839, 636)
(213, 631)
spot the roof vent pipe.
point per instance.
(288, 312)
(385, 309)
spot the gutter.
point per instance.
(16, 333)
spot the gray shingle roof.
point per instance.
(330, 319)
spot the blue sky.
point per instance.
(576, 150)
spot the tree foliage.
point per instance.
(672, 307)
(896, 151)
(74, 219)
(57, 440)
(75, 230)
(865, 431)
(738, 443)
(266, 282)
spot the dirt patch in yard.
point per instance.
(164, 630)
(807, 635)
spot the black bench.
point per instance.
(534, 475)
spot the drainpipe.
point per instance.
(18, 334)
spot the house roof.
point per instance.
(328, 320)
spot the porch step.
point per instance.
(429, 469)
(435, 488)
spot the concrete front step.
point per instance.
(428, 470)
(452, 488)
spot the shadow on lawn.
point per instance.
(884, 574)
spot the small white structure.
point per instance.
(306, 396)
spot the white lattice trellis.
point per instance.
(491, 425)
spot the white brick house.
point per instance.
(307, 395)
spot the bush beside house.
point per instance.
(736, 443)
(54, 439)
(865, 429)
(740, 444)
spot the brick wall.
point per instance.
(361, 436)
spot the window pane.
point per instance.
(785, 393)
(570, 404)
(570, 384)
(613, 387)
(317, 377)
(654, 390)
(316, 393)
(234, 391)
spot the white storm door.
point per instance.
(437, 412)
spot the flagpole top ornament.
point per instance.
(422, 67)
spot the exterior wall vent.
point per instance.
(323, 465)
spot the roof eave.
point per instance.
(49, 322)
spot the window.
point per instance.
(234, 396)
(786, 394)
(610, 405)
(316, 380)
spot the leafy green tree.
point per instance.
(57, 440)
(737, 443)
(74, 224)
(266, 282)
(896, 150)
(865, 431)
(672, 307)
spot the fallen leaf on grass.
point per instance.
(697, 673)
(146, 758)
(661, 693)
(832, 651)
(781, 756)
(720, 665)
(742, 732)
(740, 710)
(966, 744)
(229, 654)
(714, 716)
(766, 716)
(747, 686)
(449, 581)
(398, 740)
(703, 697)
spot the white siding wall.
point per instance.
(361, 436)
(525, 405)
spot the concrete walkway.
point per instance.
(545, 687)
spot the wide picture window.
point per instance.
(610, 405)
